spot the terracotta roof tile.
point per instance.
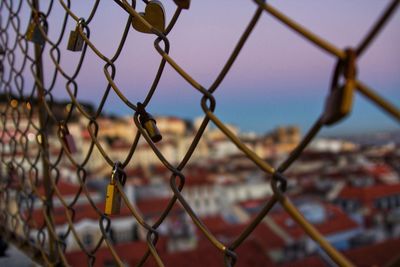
(369, 193)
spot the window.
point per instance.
(87, 240)
(135, 233)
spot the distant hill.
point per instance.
(379, 138)
(57, 106)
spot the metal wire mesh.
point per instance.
(27, 165)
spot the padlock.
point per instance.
(67, 138)
(149, 124)
(75, 41)
(113, 196)
(34, 34)
(340, 100)
(338, 104)
(154, 14)
(113, 200)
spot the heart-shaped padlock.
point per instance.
(154, 14)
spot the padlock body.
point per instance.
(33, 34)
(75, 41)
(70, 143)
(113, 200)
(152, 130)
(338, 104)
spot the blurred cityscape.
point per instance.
(348, 188)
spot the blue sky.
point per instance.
(278, 79)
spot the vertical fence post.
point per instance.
(44, 141)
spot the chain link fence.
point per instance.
(31, 168)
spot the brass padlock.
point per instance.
(154, 14)
(113, 200)
(338, 104)
(340, 100)
(75, 41)
(113, 196)
(149, 124)
(34, 34)
(68, 139)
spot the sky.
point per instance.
(278, 79)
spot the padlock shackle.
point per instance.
(345, 67)
(148, 123)
(118, 173)
(63, 127)
(144, 116)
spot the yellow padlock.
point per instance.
(113, 196)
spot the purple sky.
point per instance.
(278, 79)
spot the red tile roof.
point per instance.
(379, 254)
(262, 235)
(254, 203)
(336, 221)
(129, 253)
(266, 237)
(369, 193)
(65, 188)
(312, 261)
(249, 253)
(379, 169)
(151, 207)
(155, 206)
(82, 211)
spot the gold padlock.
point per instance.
(338, 104)
(34, 34)
(149, 123)
(340, 100)
(113, 196)
(113, 200)
(75, 41)
(154, 14)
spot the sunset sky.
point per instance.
(278, 79)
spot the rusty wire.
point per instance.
(19, 158)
